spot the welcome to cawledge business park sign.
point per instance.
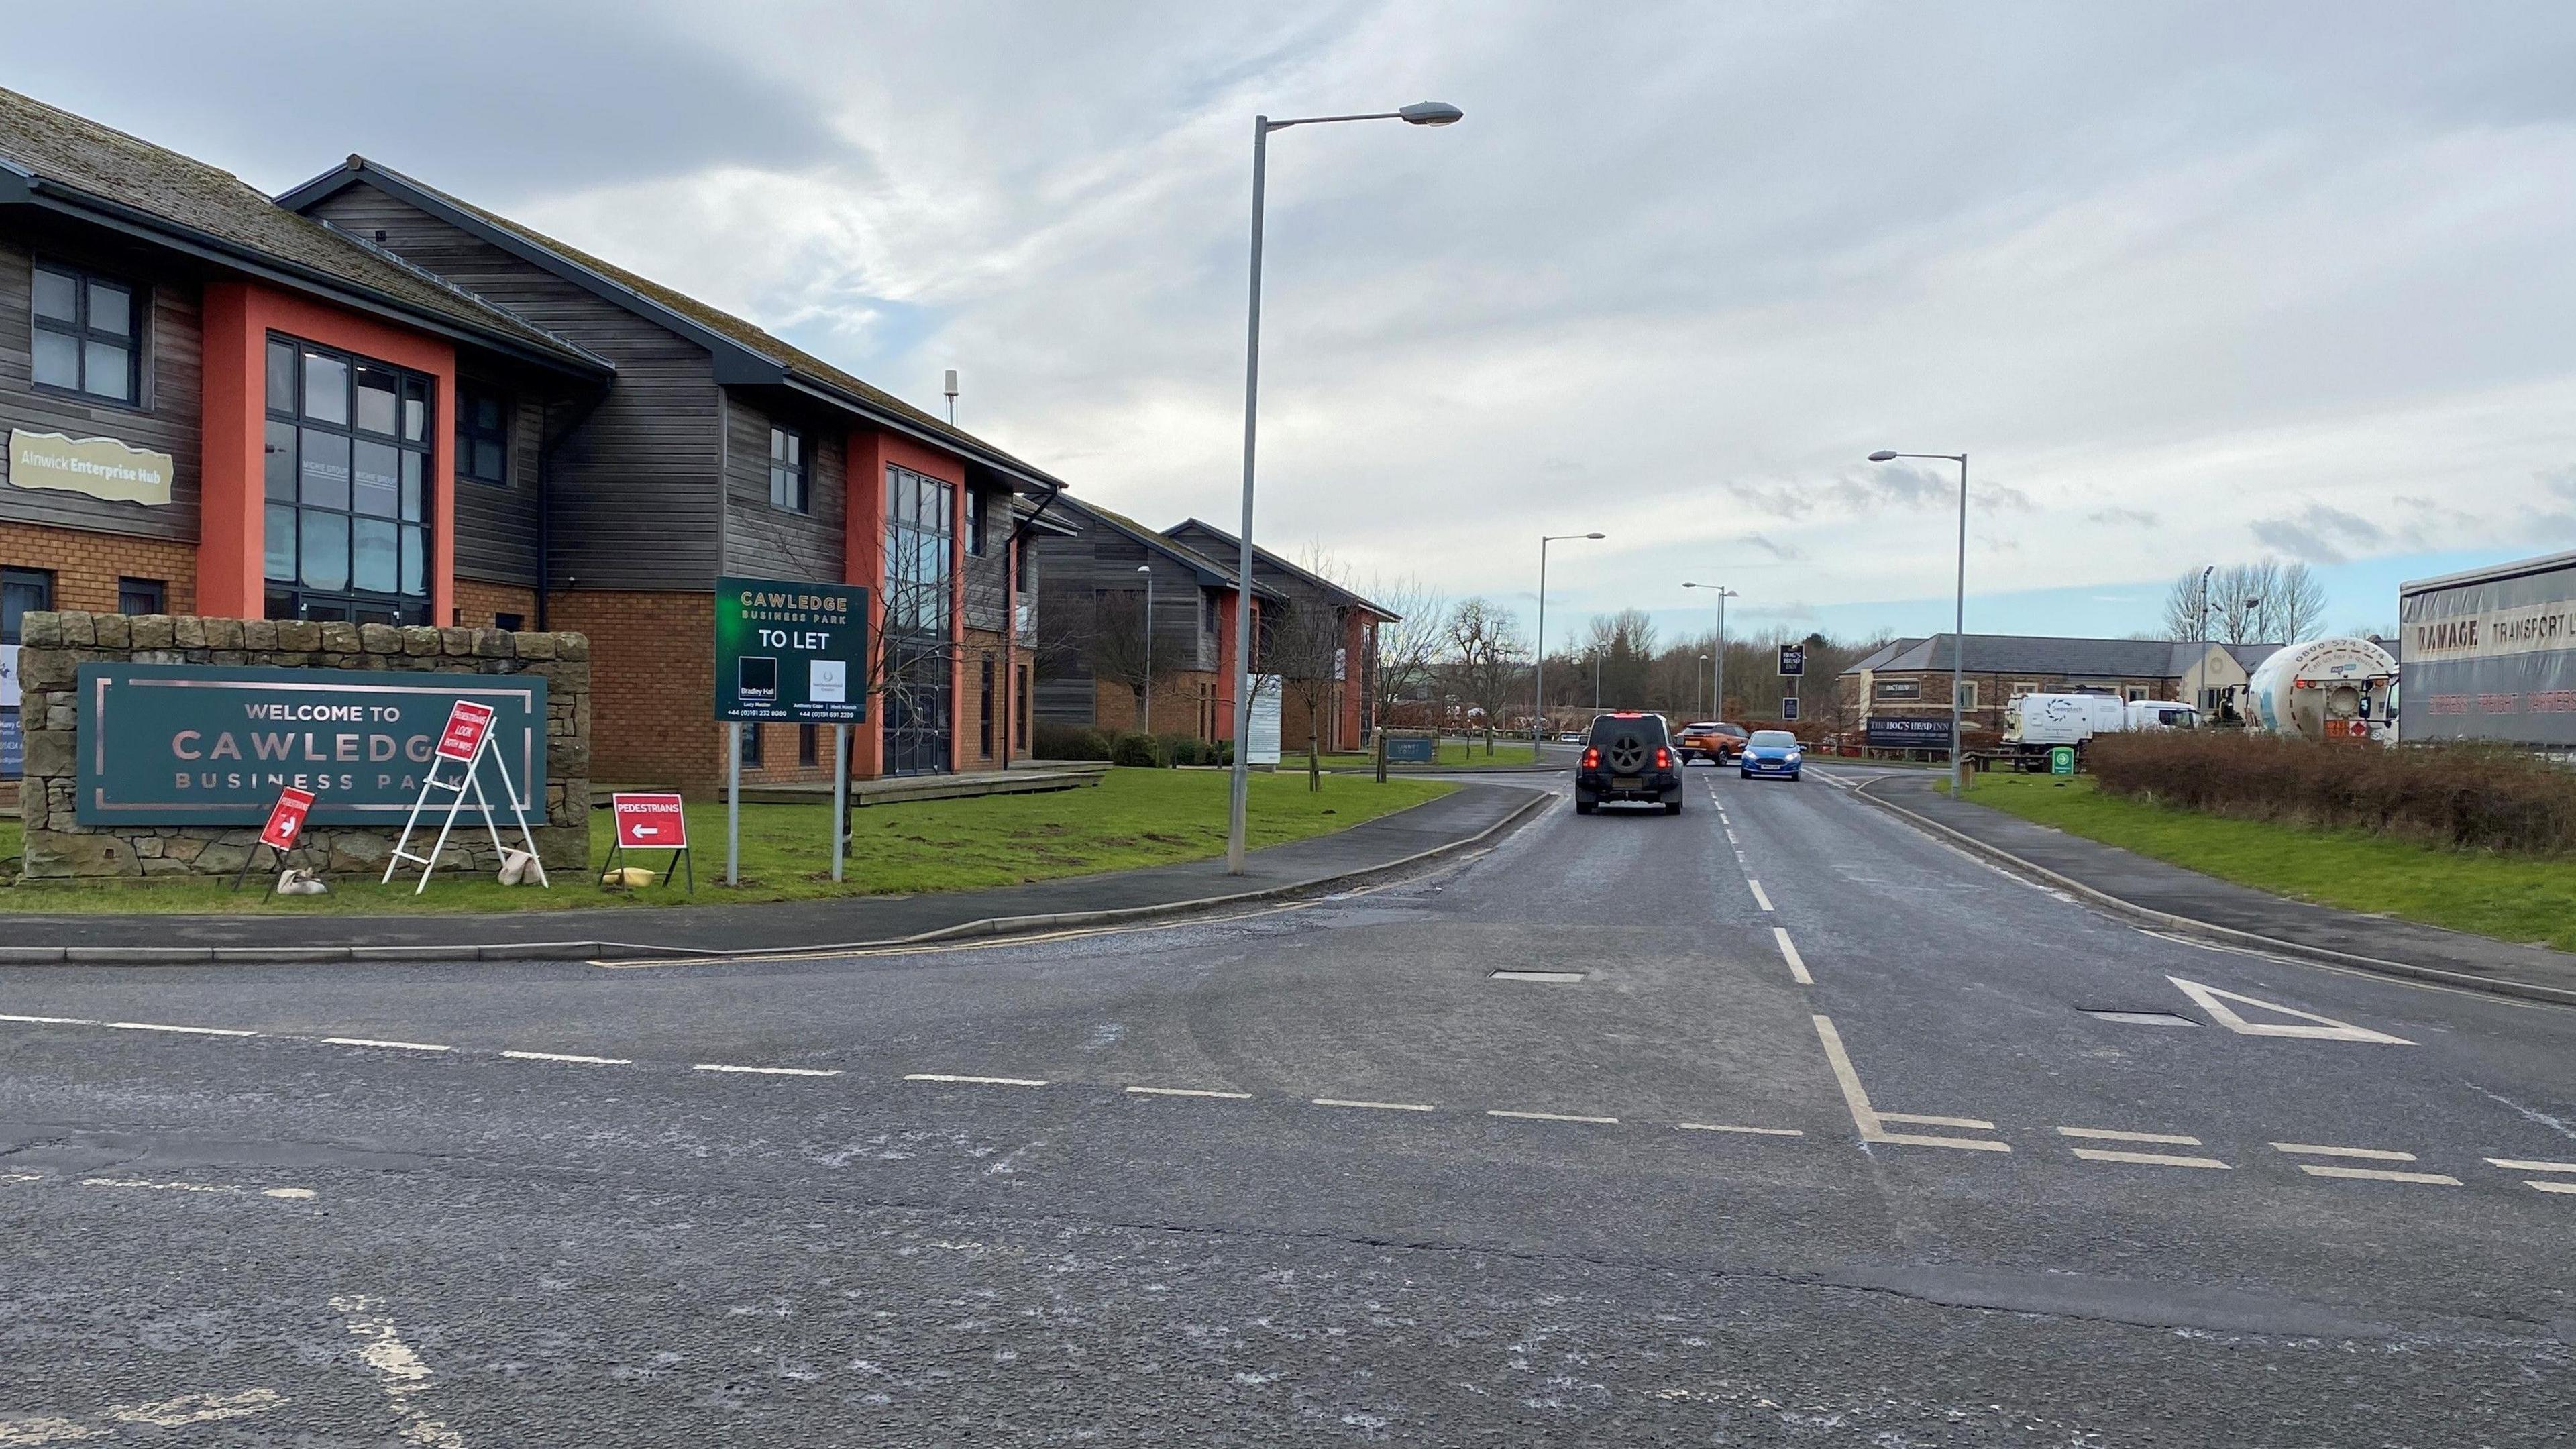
(181, 744)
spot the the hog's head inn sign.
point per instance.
(176, 744)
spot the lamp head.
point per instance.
(1431, 113)
(1596, 535)
(1883, 455)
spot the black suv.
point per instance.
(1629, 757)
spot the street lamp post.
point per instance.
(1717, 701)
(1148, 571)
(1959, 615)
(1538, 671)
(1699, 671)
(1421, 113)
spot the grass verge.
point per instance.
(1132, 818)
(2510, 897)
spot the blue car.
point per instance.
(1770, 753)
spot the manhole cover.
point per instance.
(2141, 1018)
(1560, 978)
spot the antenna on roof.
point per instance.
(951, 389)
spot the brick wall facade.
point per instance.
(1184, 704)
(57, 643)
(479, 605)
(653, 696)
(86, 564)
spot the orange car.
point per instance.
(1711, 741)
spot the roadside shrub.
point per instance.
(1187, 750)
(2467, 796)
(1069, 742)
(1135, 748)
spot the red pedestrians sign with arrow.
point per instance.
(467, 724)
(649, 822)
(286, 819)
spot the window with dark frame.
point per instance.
(88, 334)
(1021, 697)
(751, 742)
(985, 712)
(787, 470)
(511, 622)
(975, 499)
(22, 592)
(482, 436)
(809, 744)
(142, 596)
(347, 482)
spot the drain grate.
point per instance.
(2140, 1018)
(1555, 978)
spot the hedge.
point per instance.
(2467, 796)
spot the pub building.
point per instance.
(369, 400)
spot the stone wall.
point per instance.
(57, 644)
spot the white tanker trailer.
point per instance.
(2326, 689)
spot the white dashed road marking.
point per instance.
(570, 1057)
(186, 1030)
(1759, 898)
(1551, 1117)
(400, 1046)
(2377, 1174)
(1376, 1106)
(2525, 1164)
(50, 1020)
(1189, 1092)
(1789, 952)
(770, 1071)
(973, 1081)
(2553, 1186)
(2151, 1159)
(2105, 1134)
(2310, 1149)
(1748, 1131)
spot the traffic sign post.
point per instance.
(1793, 661)
(2061, 760)
(652, 821)
(466, 741)
(1788, 709)
(285, 826)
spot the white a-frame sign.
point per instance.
(467, 743)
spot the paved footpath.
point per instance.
(1776, 1122)
(1463, 815)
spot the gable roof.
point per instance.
(1229, 543)
(745, 354)
(2047, 654)
(1878, 657)
(97, 174)
(1209, 573)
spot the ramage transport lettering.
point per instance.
(2491, 654)
(183, 744)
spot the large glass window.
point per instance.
(917, 547)
(787, 469)
(482, 436)
(347, 486)
(22, 592)
(142, 596)
(88, 334)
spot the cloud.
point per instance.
(2319, 534)
(2122, 517)
(1786, 552)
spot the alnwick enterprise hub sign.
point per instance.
(184, 744)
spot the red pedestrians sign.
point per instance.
(467, 724)
(286, 819)
(649, 822)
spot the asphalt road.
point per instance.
(1315, 1174)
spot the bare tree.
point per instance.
(2186, 606)
(1408, 646)
(2294, 604)
(1486, 657)
(1302, 644)
(1116, 646)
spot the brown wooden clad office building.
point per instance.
(369, 400)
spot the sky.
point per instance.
(2189, 283)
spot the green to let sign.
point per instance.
(188, 744)
(791, 650)
(2061, 760)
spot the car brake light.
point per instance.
(1663, 758)
(1592, 759)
